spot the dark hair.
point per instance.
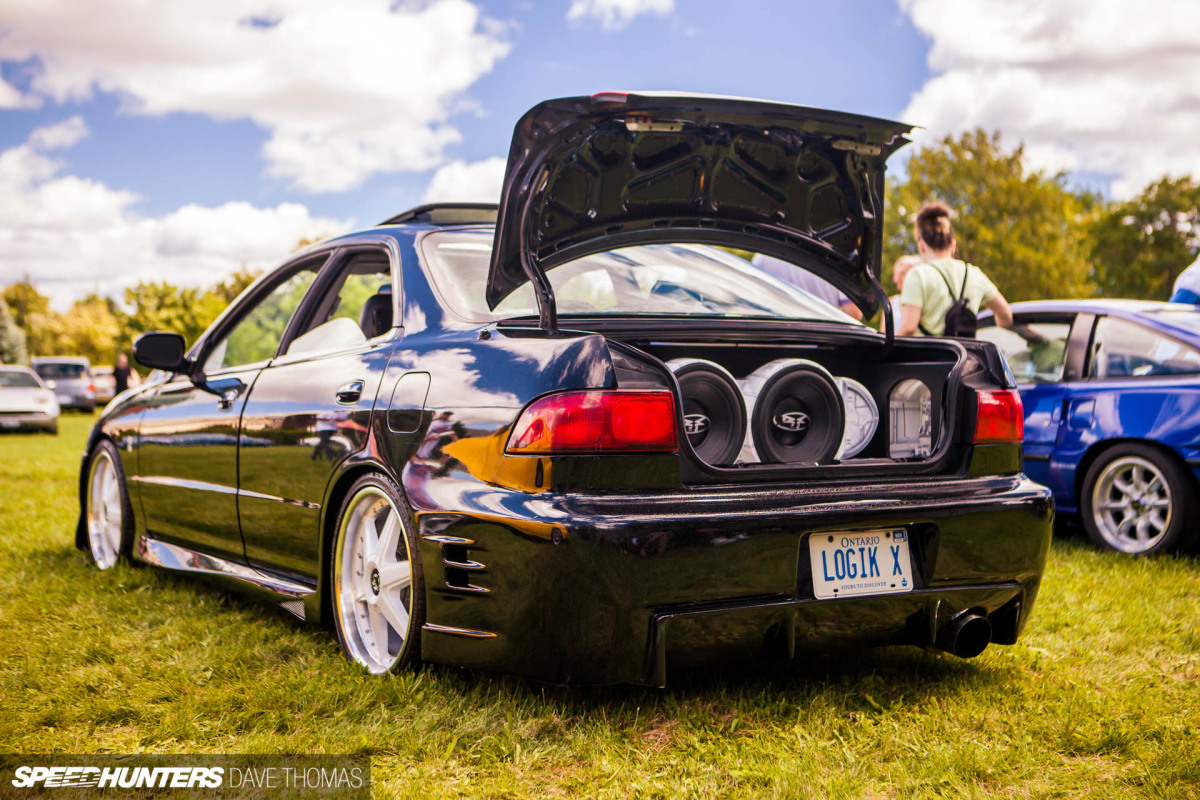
(933, 226)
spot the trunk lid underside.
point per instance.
(592, 174)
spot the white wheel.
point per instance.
(106, 517)
(375, 602)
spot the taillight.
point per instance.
(596, 421)
(999, 417)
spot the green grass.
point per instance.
(1100, 699)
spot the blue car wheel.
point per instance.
(1136, 500)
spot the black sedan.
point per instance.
(574, 438)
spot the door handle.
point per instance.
(227, 390)
(348, 395)
(227, 399)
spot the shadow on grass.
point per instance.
(854, 681)
(864, 680)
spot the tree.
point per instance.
(235, 284)
(25, 301)
(90, 328)
(1139, 247)
(12, 338)
(1025, 229)
(160, 306)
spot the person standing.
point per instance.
(1187, 285)
(899, 273)
(121, 374)
(932, 288)
(803, 279)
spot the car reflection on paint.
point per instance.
(572, 438)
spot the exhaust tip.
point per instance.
(966, 636)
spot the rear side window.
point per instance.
(1125, 349)
(356, 306)
(1035, 350)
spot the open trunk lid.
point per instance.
(590, 174)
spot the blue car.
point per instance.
(1111, 390)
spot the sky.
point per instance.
(180, 140)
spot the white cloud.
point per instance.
(458, 181)
(346, 89)
(614, 15)
(75, 235)
(1100, 86)
(59, 136)
(11, 97)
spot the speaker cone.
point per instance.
(714, 416)
(862, 417)
(797, 415)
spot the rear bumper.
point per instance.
(79, 402)
(34, 420)
(614, 589)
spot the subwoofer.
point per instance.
(714, 416)
(797, 414)
(862, 417)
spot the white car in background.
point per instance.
(25, 402)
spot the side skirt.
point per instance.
(287, 593)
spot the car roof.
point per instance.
(1149, 312)
(60, 360)
(1094, 305)
(16, 368)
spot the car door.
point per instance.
(310, 409)
(187, 455)
(1046, 353)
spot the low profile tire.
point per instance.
(109, 515)
(1137, 500)
(378, 591)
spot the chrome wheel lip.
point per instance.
(1132, 505)
(104, 511)
(367, 616)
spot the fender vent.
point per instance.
(294, 607)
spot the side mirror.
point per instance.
(160, 350)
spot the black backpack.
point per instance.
(961, 321)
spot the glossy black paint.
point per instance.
(187, 465)
(294, 430)
(160, 350)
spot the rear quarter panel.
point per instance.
(1099, 414)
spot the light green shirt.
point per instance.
(924, 287)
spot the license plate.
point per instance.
(63, 398)
(860, 563)
(9, 423)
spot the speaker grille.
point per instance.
(714, 414)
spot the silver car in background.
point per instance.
(71, 379)
(25, 402)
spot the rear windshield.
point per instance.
(649, 280)
(17, 379)
(60, 371)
